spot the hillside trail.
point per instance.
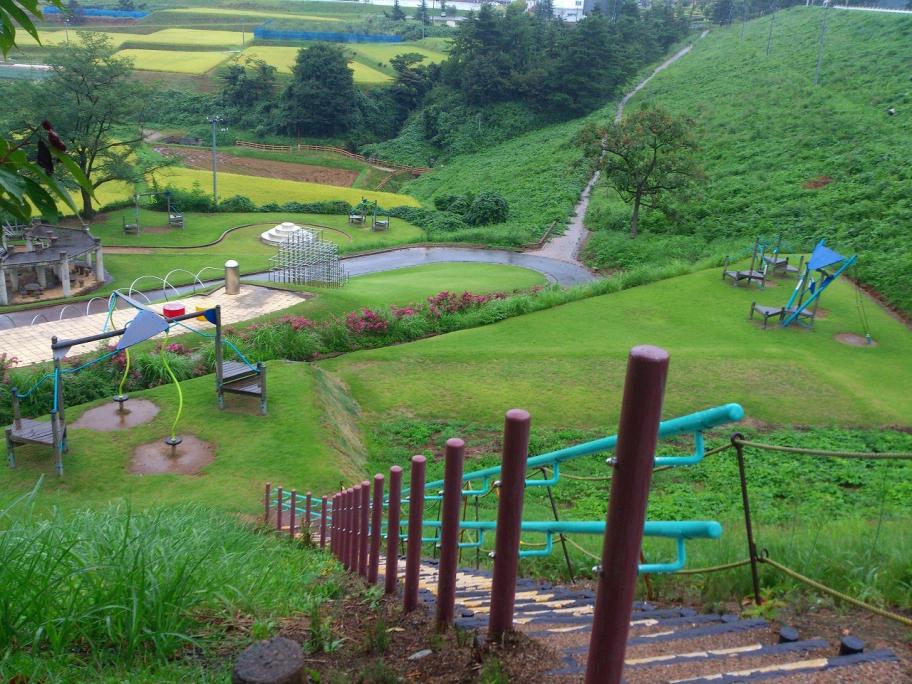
(567, 247)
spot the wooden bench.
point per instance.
(239, 378)
(747, 275)
(381, 224)
(356, 218)
(25, 431)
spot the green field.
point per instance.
(193, 37)
(566, 365)
(283, 59)
(174, 61)
(384, 52)
(783, 155)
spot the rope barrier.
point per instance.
(714, 568)
(837, 594)
(886, 455)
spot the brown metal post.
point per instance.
(748, 526)
(638, 429)
(292, 513)
(266, 503)
(392, 530)
(365, 532)
(307, 515)
(322, 522)
(509, 519)
(279, 508)
(373, 567)
(413, 548)
(449, 532)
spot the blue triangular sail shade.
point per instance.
(823, 256)
(146, 324)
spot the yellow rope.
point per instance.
(898, 455)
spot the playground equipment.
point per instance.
(802, 305)
(776, 264)
(175, 216)
(237, 377)
(766, 261)
(357, 214)
(380, 220)
(305, 257)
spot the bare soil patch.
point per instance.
(107, 417)
(249, 166)
(817, 183)
(854, 340)
(188, 458)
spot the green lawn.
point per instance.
(291, 444)
(566, 365)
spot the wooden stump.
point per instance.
(276, 661)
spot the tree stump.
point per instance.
(276, 661)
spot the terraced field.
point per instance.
(283, 59)
(174, 61)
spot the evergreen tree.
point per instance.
(320, 98)
(397, 14)
(421, 13)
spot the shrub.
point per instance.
(366, 321)
(237, 203)
(195, 199)
(325, 207)
(488, 207)
(444, 202)
(445, 222)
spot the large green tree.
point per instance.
(320, 98)
(649, 155)
(96, 106)
(27, 178)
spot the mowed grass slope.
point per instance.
(784, 155)
(566, 365)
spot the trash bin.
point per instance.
(232, 277)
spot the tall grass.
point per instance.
(114, 586)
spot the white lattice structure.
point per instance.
(305, 257)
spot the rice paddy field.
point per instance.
(384, 52)
(218, 14)
(174, 61)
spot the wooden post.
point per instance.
(373, 568)
(322, 522)
(415, 528)
(292, 513)
(266, 504)
(509, 519)
(279, 508)
(392, 530)
(261, 373)
(449, 533)
(363, 524)
(346, 529)
(307, 499)
(641, 411)
(356, 527)
(17, 414)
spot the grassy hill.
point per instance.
(784, 155)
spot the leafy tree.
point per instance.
(544, 9)
(397, 14)
(248, 93)
(413, 80)
(649, 154)
(320, 98)
(421, 13)
(96, 104)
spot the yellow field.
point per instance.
(251, 13)
(384, 52)
(58, 38)
(263, 190)
(195, 37)
(283, 59)
(174, 61)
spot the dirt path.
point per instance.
(567, 247)
(201, 158)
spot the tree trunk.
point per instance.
(635, 218)
(88, 211)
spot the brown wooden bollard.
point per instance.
(449, 532)
(392, 530)
(322, 522)
(307, 516)
(332, 526)
(413, 549)
(373, 567)
(292, 512)
(364, 540)
(356, 529)
(266, 505)
(641, 411)
(509, 520)
(338, 521)
(346, 529)
(350, 530)
(279, 497)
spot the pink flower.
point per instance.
(366, 321)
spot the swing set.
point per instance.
(175, 215)
(238, 377)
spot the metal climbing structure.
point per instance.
(305, 257)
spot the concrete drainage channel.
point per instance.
(560, 272)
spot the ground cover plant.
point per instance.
(782, 155)
(157, 595)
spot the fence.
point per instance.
(331, 36)
(351, 521)
(414, 170)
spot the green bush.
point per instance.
(237, 203)
(487, 207)
(445, 222)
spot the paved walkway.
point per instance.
(32, 343)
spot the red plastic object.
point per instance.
(173, 310)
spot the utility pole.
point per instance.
(769, 40)
(214, 121)
(820, 43)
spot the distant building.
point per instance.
(571, 10)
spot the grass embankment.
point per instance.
(784, 155)
(164, 595)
